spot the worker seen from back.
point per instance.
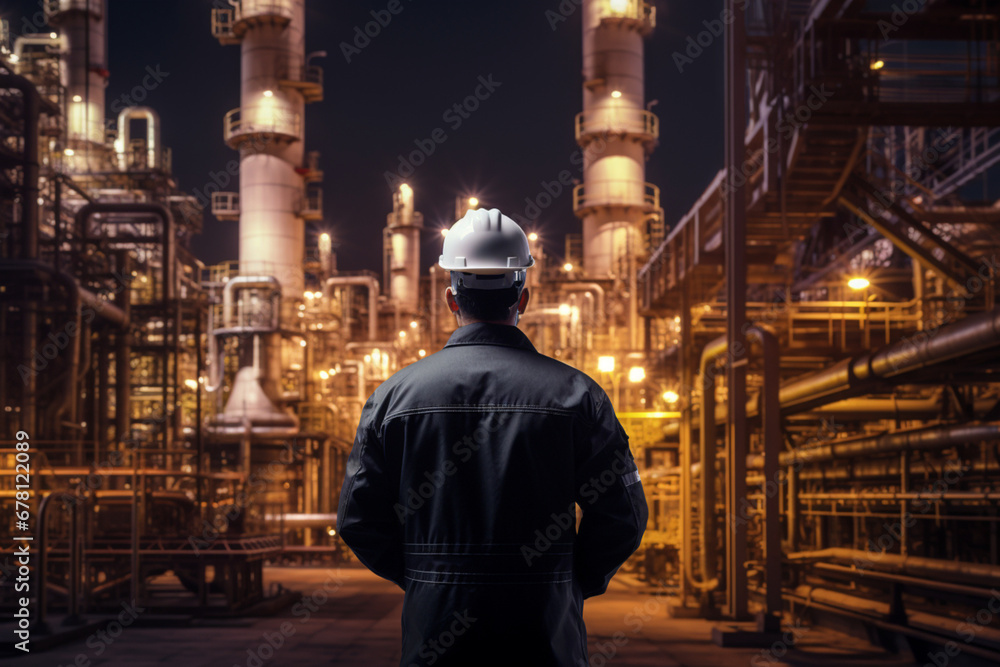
(467, 469)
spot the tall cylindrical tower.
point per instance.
(402, 251)
(273, 204)
(617, 133)
(268, 131)
(84, 76)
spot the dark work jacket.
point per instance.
(461, 488)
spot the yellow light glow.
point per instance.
(877, 65)
(402, 334)
(564, 309)
(616, 94)
(406, 190)
(302, 306)
(567, 267)
(13, 58)
(331, 532)
(368, 358)
(324, 237)
(318, 295)
(54, 35)
(532, 236)
(444, 232)
(473, 202)
(69, 152)
(268, 93)
(636, 374)
(324, 375)
(77, 98)
(677, 319)
(619, 6)
(307, 295)
(191, 384)
(302, 343)
(858, 283)
(671, 396)
(413, 324)
(606, 364)
(422, 353)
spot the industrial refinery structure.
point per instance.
(805, 362)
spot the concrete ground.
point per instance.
(353, 620)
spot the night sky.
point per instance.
(396, 90)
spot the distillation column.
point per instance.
(617, 133)
(84, 75)
(268, 131)
(402, 252)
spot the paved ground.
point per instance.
(354, 621)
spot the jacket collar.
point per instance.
(485, 333)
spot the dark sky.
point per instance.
(395, 91)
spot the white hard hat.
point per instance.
(486, 250)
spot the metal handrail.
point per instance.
(260, 119)
(629, 10)
(613, 121)
(225, 202)
(250, 8)
(615, 192)
(57, 6)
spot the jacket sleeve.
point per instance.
(366, 520)
(613, 503)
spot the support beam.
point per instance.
(735, 240)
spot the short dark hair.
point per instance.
(487, 304)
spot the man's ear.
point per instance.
(522, 303)
(449, 298)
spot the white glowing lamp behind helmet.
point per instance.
(486, 250)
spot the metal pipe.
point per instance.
(915, 582)
(216, 357)
(977, 573)
(707, 453)
(591, 288)
(169, 237)
(935, 437)
(124, 140)
(73, 294)
(244, 282)
(29, 162)
(975, 333)
(886, 469)
(771, 432)
(305, 520)
(862, 609)
(850, 377)
(363, 281)
(735, 247)
(895, 496)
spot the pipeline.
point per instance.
(169, 238)
(29, 200)
(934, 437)
(246, 282)
(589, 288)
(372, 285)
(848, 377)
(874, 613)
(828, 392)
(914, 566)
(707, 453)
(76, 299)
